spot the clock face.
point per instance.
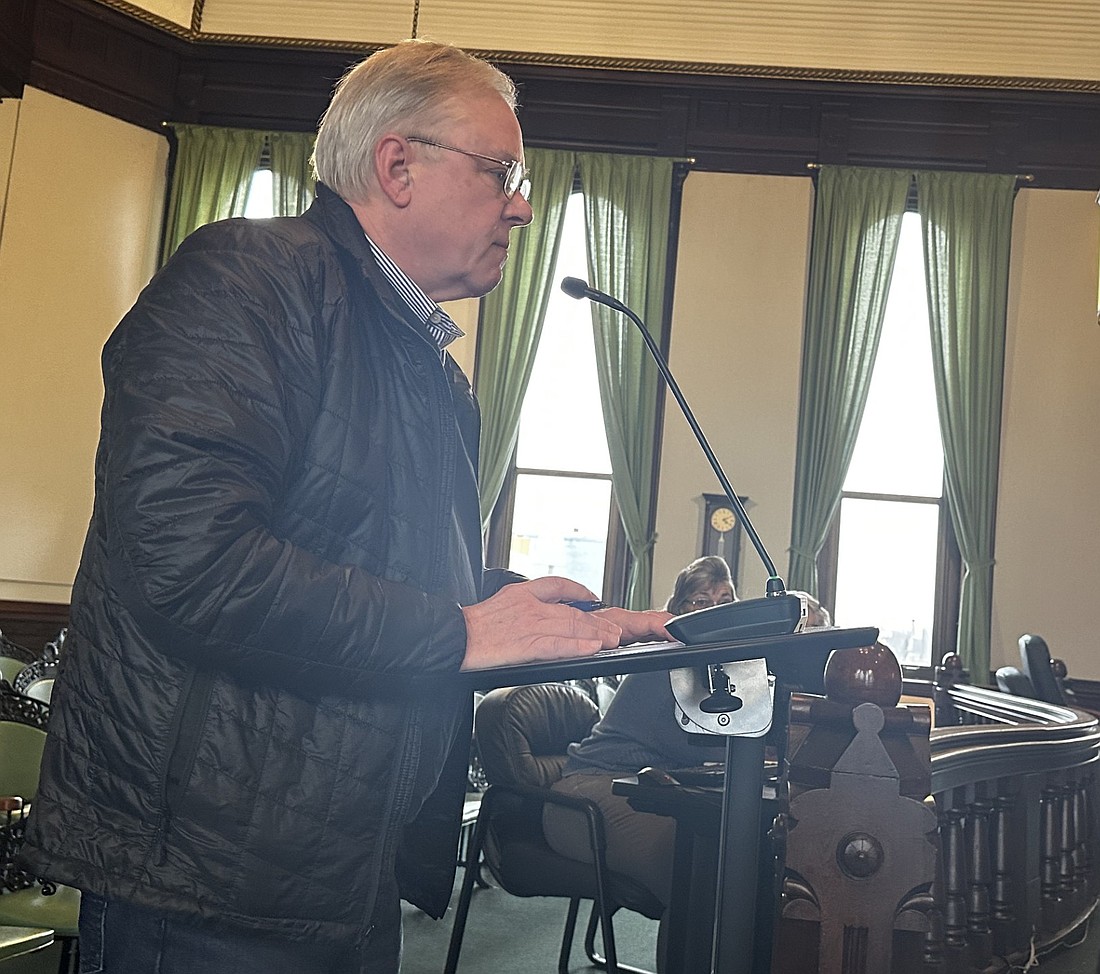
(722, 519)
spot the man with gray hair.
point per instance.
(257, 744)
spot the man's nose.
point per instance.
(519, 211)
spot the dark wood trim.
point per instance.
(16, 44)
(761, 120)
(1086, 693)
(32, 624)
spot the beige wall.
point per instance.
(78, 241)
(464, 314)
(1048, 520)
(736, 333)
(736, 349)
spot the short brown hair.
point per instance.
(705, 572)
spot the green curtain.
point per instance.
(626, 204)
(966, 222)
(511, 320)
(857, 219)
(292, 182)
(213, 170)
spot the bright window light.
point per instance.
(563, 487)
(887, 556)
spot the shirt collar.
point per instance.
(441, 327)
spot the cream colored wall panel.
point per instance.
(79, 243)
(174, 11)
(358, 21)
(736, 334)
(983, 37)
(1047, 556)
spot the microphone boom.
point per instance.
(778, 613)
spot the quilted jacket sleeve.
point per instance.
(208, 394)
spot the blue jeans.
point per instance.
(119, 938)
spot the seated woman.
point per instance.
(640, 730)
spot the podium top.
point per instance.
(796, 658)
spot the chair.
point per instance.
(36, 680)
(13, 658)
(26, 901)
(1012, 680)
(522, 735)
(1046, 674)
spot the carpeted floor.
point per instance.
(506, 934)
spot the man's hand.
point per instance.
(638, 626)
(524, 623)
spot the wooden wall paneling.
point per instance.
(16, 41)
(101, 58)
(249, 87)
(32, 624)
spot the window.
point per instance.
(560, 513)
(260, 203)
(892, 557)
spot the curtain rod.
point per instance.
(1025, 177)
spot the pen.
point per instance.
(587, 605)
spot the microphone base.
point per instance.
(773, 615)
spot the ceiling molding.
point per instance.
(754, 122)
(195, 35)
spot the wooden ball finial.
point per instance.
(870, 674)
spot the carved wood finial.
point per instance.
(870, 674)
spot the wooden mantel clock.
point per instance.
(722, 530)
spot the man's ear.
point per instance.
(391, 168)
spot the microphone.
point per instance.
(778, 613)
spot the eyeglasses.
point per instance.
(514, 178)
(705, 603)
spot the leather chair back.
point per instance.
(1035, 662)
(1012, 680)
(522, 733)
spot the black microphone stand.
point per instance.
(775, 614)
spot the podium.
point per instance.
(797, 663)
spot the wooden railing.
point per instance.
(1015, 783)
(971, 849)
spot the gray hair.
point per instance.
(413, 83)
(705, 572)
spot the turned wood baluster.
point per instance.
(1082, 855)
(1068, 840)
(980, 881)
(945, 676)
(954, 876)
(1049, 840)
(1003, 914)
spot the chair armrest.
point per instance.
(597, 836)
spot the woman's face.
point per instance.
(704, 598)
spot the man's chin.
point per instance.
(490, 281)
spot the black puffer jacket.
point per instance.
(285, 526)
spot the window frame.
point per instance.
(618, 558)
(945, 615)
(949, 567)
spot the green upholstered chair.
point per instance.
(26, 901)
(13, 658)
(36, 680)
